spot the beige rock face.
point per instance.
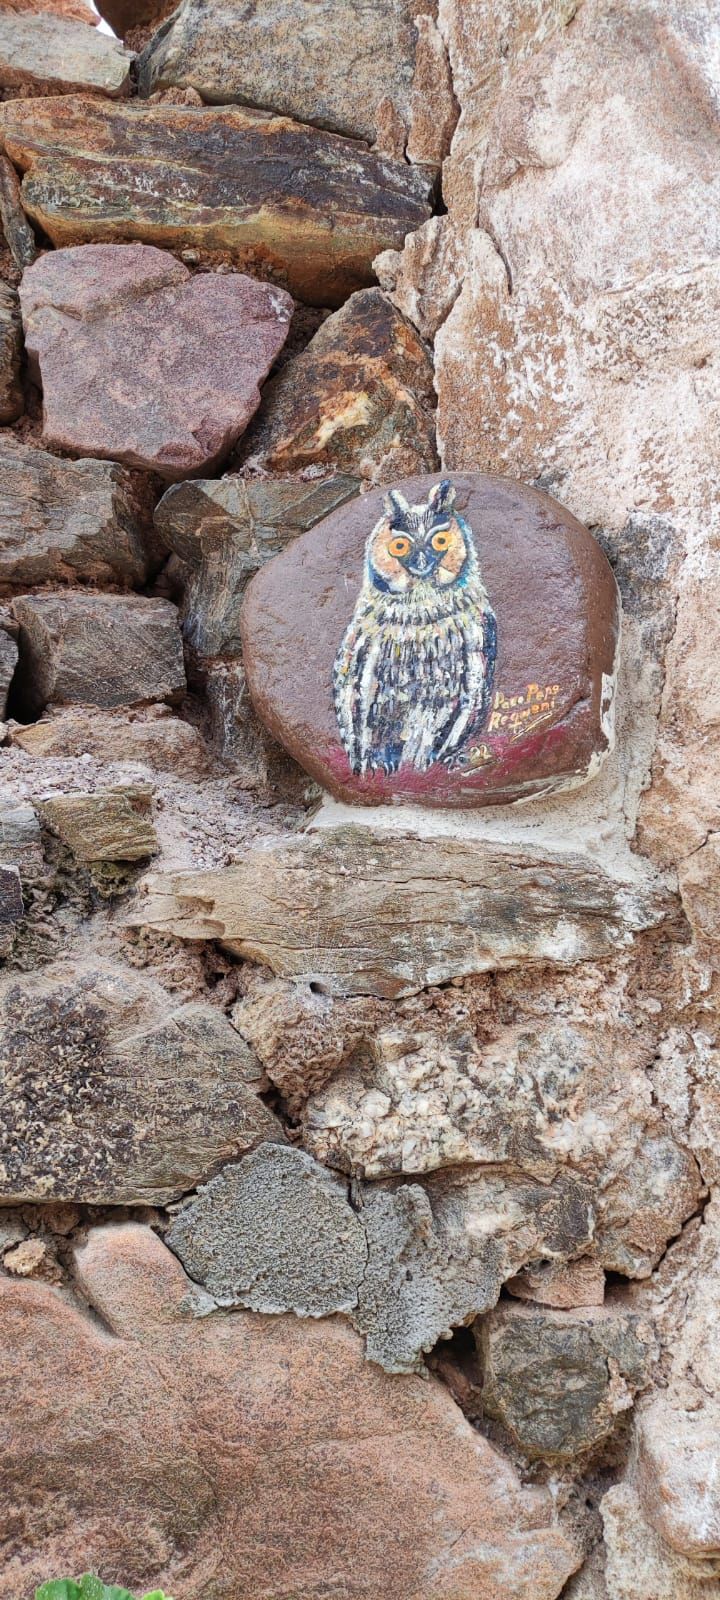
(49, 54)
(104, 826)
(300, 1423)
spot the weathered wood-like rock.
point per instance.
(451, 644)
(150, 735)
(97, 649)
(11, 346)
(202, 344)
(365, 914)
(61, 521)
(367, 70)
(231, 1438)
(360, 397)
(42, 53)
(224, 529)
(107, 825)
(111, 1093)
(557, 1380)
(312, 208)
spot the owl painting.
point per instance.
(414, 673)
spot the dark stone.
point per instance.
(515, 703)
(8, 655)
(309, 208)
(11, 906)
(11, 347)
(19, 236)
(106, 650)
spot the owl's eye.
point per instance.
(399, 546)
(441, 540)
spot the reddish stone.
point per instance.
(539, 722)
(143, 363)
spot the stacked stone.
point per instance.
(354, 1165)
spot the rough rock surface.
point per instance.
(126, 14)
(204, 344)
(19, 236)
(151, 735)
(386, 62)
(421, 1504)
(57, 55)
(70, 521)
(97, 649)
(224, 530)
(107, 825)
(112, 1094)
(8, 655)
(55, 8)
(307, 206)
(359, 398)
(11, 906)
(11, 349)
(358, 913)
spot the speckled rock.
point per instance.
(97, 649)
(678, 1475)
(310, 208)
(46, 54)
(11, 349)
(56, 8)
(223, 530)
(11, 906)
(385, 78)
(557, 1380)
(561, 1284)
(203, 345)
(422, 1506)
(65, 521)
(105, 825)
(112, 1093)
(359, 398)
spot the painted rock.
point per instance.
(444, 642)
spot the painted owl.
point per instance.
(414, 673)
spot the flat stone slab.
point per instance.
(105, 825)
(67, 520)
(80, 648)
(360, 913)
(50, 54)
(364, 69)
(112, 1093)
(312, 208)
(447, 643)
(202, 344)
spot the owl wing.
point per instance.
(354, 685)
(479, 652)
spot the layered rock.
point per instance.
(111, 1093)
(70, 521)
(97, 649)
(204, 344)
(309, 207)
(46, 54)
(11, 349)
(150, 735)
(106, 825)
(384, 78)
(359, 398)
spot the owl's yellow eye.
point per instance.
(441, 541)
(399, 546)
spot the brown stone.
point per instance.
(386, 66)
(232, 1436)
(126, 14)
(360, 913)
(107, 825)
(150, 735)
(19, 236)
(200, 345)
(310, 207)
(64, 521)
(11, 347)
(224, 530)
(97, 649)
(112, 1092)
(541, 722)
(360, 398)
(75, 9)
(46, 54)
(11, 905)
(560, 1284)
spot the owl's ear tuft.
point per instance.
(442, 497)
(396, 507)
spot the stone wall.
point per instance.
(347, 1252)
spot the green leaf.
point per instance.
(89, 1588)
(59, 1589)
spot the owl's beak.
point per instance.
(420, 564)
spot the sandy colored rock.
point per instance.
(557, 1380)
(386, 67)
(358, 913)
(425, 278)
(678, 1473)
(359, 398)
(74, 9)
(45, 54)
(107, 825)
(113, 1093)
(224, 530)
(439, 1516)
(97, 649)
(638, 1564)
(11, 349)
(153, 736)
(560, 1284)
(296, 1034)
(203, 345)
(351, 656)
(309, 207)
(65, 521)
